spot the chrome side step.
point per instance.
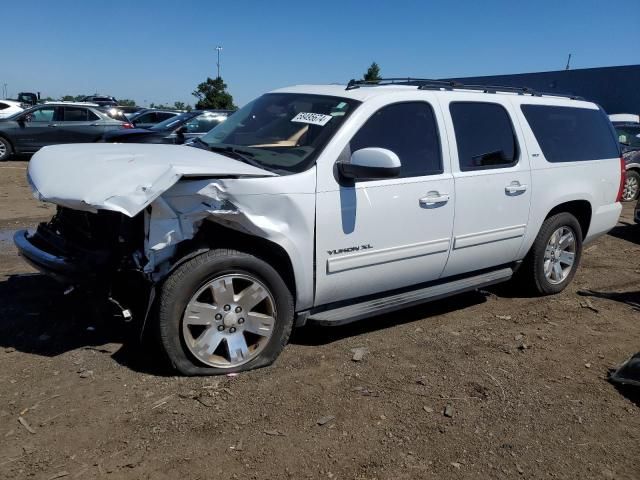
(378, 306)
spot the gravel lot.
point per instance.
(483, 385)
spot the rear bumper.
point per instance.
(60, 266)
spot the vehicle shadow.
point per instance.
(629, 392)
(37, 318)
(629, 298)
(627, 231)
(314, 335)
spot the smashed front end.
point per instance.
(100, 253)
(126, 222)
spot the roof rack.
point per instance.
(430, 84)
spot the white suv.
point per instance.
(327, 204)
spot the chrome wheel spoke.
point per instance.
(557, 272)
(222, 291)
(259, 324)
(200, 313)
(251, 296)
(566, 241)
(208, 342)
(567, 258)
(237, 347)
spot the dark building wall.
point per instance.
(616, 89)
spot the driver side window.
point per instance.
(44, 114)
(409, 130)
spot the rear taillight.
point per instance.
(623, 179)
(127, 125)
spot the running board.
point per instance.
(378, 306)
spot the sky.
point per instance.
(158, 51)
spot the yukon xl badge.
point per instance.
(349, 249)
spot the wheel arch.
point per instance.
(213, 235)
(581, 209)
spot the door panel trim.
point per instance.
(489, 236)
(386, 255)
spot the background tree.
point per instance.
(179, 105)
(68, 98)
(373, 73)
(127, 102)
(213, 94)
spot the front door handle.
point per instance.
(515, 188)
(434, 199)
(52, 125)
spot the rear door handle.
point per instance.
(515, 188)
(434, 199)
(52, 125)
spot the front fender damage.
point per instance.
(286, 219)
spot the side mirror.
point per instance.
(371, 164)
(182, 130)
(25, 118)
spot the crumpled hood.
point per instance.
(122, 177)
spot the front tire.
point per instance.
(555, 255)
(224, 311)
(5, 149)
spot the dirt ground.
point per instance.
(483, 385)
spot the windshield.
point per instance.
(281, 132)
(173, 122)
(629, 136)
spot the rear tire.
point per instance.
(5, 149)
(555, 255)
(224, 311)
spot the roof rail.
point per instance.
(430, 84)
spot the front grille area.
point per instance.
(101, 239)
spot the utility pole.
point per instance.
(219, 49)
(4, 90)
(568, 62)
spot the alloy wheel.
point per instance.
(229, 320)
(630, 191)
(559, 255)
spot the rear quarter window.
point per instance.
(570, 134)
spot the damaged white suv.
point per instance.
(327, 204)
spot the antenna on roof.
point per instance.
(568, 63)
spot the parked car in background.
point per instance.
(629, 138)
(326, 204)
(624, 118)
(102, 100)
(28, 98)
(176, 130)
(54, 123)
(636, 214)
(147, 118)
(9, 107)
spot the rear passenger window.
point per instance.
(484, 135)
(75, 114)
(410, 131)
(570, 134)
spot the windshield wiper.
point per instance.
(232, 152)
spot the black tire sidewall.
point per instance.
(549, 226)
(183, 283)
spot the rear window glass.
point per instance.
(569, 134)
(484, 135)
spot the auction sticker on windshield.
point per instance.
(312, 118)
